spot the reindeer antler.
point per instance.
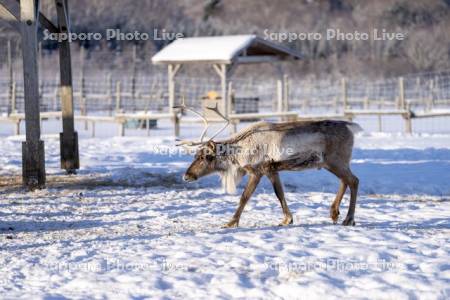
(216, 110)
(205, 122)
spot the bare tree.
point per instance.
(428, 49)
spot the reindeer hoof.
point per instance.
(286, 222)
(334, 214)
(349, 222)
(231, 224)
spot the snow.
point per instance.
(215, 48)
(127, 226)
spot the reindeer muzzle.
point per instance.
(189, 177)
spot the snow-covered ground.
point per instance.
(127, 226)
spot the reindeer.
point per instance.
(265, 149)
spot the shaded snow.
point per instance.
(128, 227)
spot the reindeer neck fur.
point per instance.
(230, 171)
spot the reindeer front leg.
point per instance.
(248, 191)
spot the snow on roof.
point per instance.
(218, 49)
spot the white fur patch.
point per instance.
(230, 179)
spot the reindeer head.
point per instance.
(205, 161)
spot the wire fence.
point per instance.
(107, 93)
(105, 82)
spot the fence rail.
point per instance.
(105, 94)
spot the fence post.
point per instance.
(118, 96)
(82, 88)
(380, 122)
(110, 96)
(231, 107)
(279, 96)
(403, 106)
(13, 99)
(286, 93)
(344, 93)
(133, 77)
(14, 96)
(429, 104)
(401, 93)
(121, 131)
(10, 75)
(366, 102)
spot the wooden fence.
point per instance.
(113, 98)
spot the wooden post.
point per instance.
(223, 82)
(68, 138)
(279, 96)
(286, 93)
(121, 129)
(118, 96)
(110, 96)
(408, 123)
(366, 102)
(380, 122)
(230, 101)
(10, 77)
(33, 157)
(82, 88)
(14, 96)
(93, 128)
(344, 93)
(403, 106)
(429, 103)
(231, 105)
(172, 72)
(17, 127)
(171, 87)
(133, 77)
(401, 93)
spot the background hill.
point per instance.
(425, 23)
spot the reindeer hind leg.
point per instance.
(334, 209)
(274, 177)
(347, 179)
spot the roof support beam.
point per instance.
(222, 71)
(172, 72)
(257, 59)
(7, 15)
(46, 23)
